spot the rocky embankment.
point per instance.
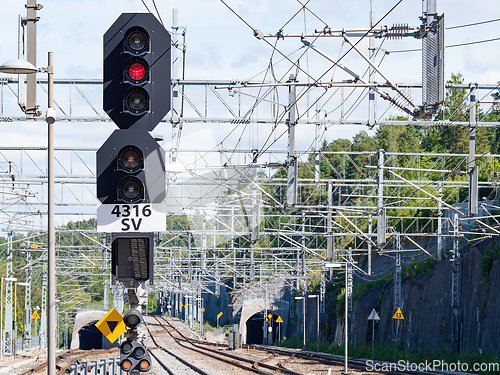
(426, 304)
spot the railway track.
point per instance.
(67, 358)
(242, 363)
(282, 356)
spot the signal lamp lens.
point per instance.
(126, 347)
(137, 71)
(137, 41)
(144, 364)
(137, 101)
(130, 159)
(132, 321)
(131, 189)
(139, 352)
(126, 364)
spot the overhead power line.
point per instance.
(450, 46)
(472, 24)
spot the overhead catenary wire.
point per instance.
(449, 46)
(157, 12)
(264, 149)
(472, 24)
(146, 6)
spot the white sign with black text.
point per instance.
(131, 218)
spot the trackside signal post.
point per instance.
(131, 164)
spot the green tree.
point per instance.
(455, 139)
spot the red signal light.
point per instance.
(137, 71)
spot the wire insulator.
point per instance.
(398, 31)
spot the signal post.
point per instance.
(131, 164)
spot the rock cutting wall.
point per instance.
(426, 301)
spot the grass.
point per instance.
(420, 268)
(487, 257)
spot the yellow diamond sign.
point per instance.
(111, 325)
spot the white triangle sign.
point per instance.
(374, 315)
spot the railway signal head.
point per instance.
(130, 169)
(134, 357)
(132, 318)
(137, 64)
(132, 261)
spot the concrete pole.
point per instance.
(51, 298)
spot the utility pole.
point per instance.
(43, 314)
(27, 303)
(370, 217)
(317, 172)
(8, 331)
(291, 193)
(349, 288)
(233, 251)
(440, 221)
(203, 243)
(455, 287)
(372, 116)
(397, 291)
(329, 230)
(381, 224)
(255, 223)
(472, 168)
(31, 20)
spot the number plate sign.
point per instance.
(131, 218)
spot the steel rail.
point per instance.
(212, 352)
